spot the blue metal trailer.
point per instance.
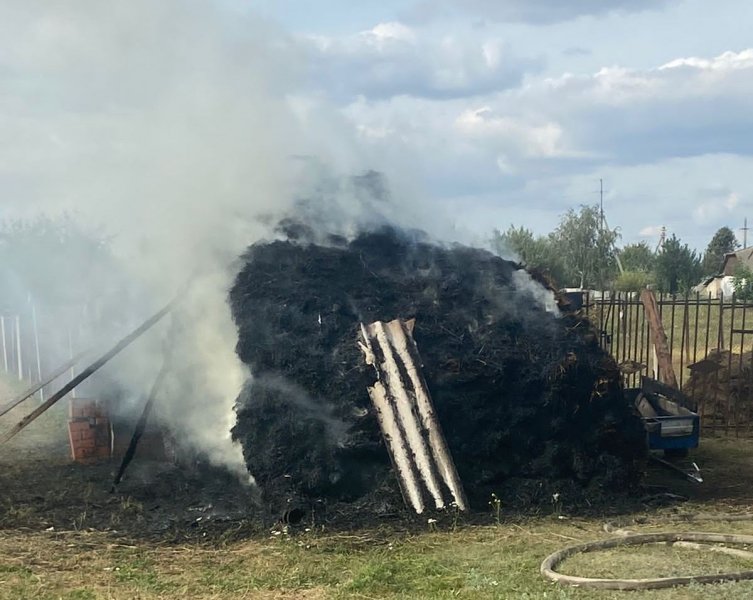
(671, 426)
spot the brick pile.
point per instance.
(89, 431)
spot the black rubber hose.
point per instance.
(550, 564)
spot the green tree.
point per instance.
(586, 248)
(56, 261)
(638, 258)
(534, 252)
(742, 282)
(678, 268)
(633, 281)
(723, 242)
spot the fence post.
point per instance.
(20, 364)
(5, 343)
(685, 337)
(36, 345)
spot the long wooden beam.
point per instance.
(659, 339)
(140, 426)
(89, 371)
(35, 388)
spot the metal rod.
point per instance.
(686, 325)
(90, 370)
(672, 332)
(625, 327)
(695, 346)
(742, 335)
(730, 408)
(720, 339)
(35, 388)
(750, 393)
(693, 476)
(637, 350)
(708, 325)
(18, 348)
(682, 340)
(612, 310)
(740, 366)
(140, 425)
(618, 330)
(5, 344)
(720, 347)
(628, 331)
(702, 407)
(606, 334)
(602, 339)
(695, 336)
(36, 346)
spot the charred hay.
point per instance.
(529, 403)
(721, 387)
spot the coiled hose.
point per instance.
(628, 538)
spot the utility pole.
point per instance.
(662, 239)
(603, 225)
(745, 230)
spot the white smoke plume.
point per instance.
(174, 125)
(182, 128)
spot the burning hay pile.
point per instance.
(529, 404)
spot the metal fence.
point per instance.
(32, 344)
(710, 342)
(20, 349)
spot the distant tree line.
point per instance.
(582, 252)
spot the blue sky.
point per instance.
(650, 96)
(633, 92)
(492, 112)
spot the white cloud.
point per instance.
(390, 31)
(651, 231)
(728, 61)
(614, 116)
(666, 136)
(715, 208)
(393, 59)
(530, 141)
(532, 11)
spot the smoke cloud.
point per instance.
(183, 131)
(176, 126)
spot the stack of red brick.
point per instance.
(89, 431)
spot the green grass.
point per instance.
(472, 562)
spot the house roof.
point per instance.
(732, 260)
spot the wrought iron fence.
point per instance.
(710, 343)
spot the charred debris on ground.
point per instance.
(532, 408)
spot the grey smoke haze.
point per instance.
(174, 125)
(180, 127)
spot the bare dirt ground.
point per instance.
(42, 489)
